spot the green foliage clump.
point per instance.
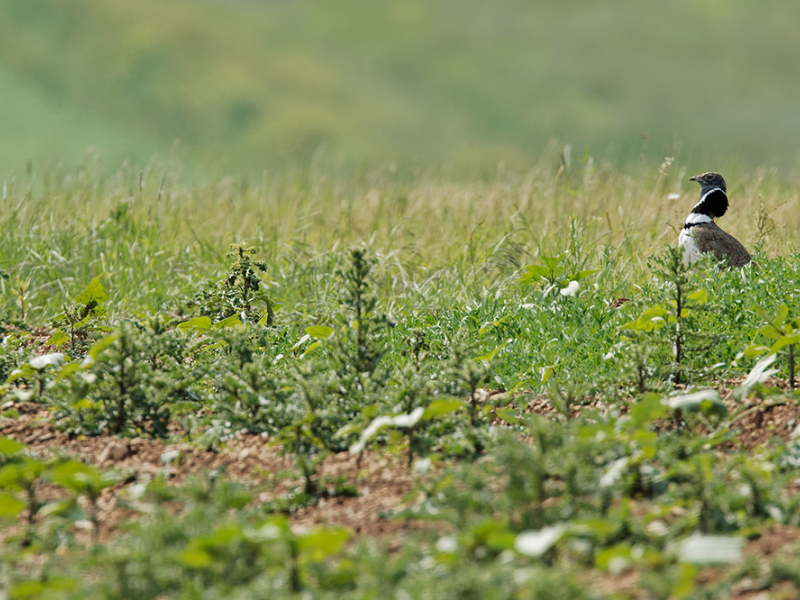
(237, 293)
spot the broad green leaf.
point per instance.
(319, 545)
(78, 477)
(223, 536)
(23, 371)
(94, 292)
(58, 338)
(770, 332)
(595, 527)
(501, 540)
(9, 446)
(651, 319)
(232, 321)
(30, 588)
(439, 408)
(10, 505)
(783, 313)
(58, 508)
(68, 369)
(312, 347)
(195, 558)
(197, 324)
(319, 331)
(699, 297)
(14, 476)
(655, 312)
(755, 350)
(537, 271)
(551, 262)
(584, 274)
(86, 404)
(786, 340)
(547, 373)
(102, 344)
(35, 589)
(761, 313)
(684, 584)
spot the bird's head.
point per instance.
(713, 195)
(709, 181)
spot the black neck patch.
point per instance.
(713, 203)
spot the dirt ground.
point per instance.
(382, 481)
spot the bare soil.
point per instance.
(383, 482)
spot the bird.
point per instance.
(701, 234)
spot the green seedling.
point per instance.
(81, 317)
(237, 294)
(784, 330)
(86, 481)
(682, 298)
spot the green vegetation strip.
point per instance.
(347, 322)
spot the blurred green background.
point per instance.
(236, 86)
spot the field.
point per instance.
(243, 86)
(388, 384)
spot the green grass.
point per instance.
(248, 85)
(444, 312)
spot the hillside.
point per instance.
(246, 85)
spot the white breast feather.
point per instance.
(691, 252)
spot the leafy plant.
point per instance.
(554, 273)
(785, 333)
(123, 387)
(682, 297)
(87, 481)
(239, 291)
(81, 317)
(38, 370)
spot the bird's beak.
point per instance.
(695, 178)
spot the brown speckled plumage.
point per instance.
(710, 238)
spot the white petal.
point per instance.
(711, 549)
(536, 543)
(571, 289)
(56, 359)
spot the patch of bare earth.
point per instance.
(381, 481)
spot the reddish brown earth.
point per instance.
(382, 481)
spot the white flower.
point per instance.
(56, 359)
(711, 549)
(447, 544)
(536, 543)
(571, 289)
